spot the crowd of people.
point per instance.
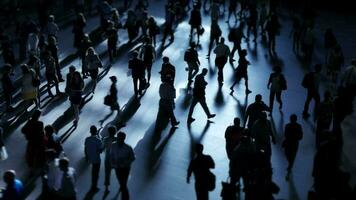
(248, 141)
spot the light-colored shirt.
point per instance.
(121, 155)
(222, 50)
(59, 177)
(93, 148)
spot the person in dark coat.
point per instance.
(85, 44)
(167, 94)
(192, 59)
(138, 72)
(148, 54)
(311, 82)
(113, 94)
(53, 48)
(254, 111)
(78, 29)
(233, 135)
(199, 96)
(168, 71)
(113, 37)
(293, 133)
(200, 166)
(272, 28)
(74, 89)
(241, 71)
(276, 83)
(153, 30)
(195, 22)
(215, 33)
(324, 117)
(8, 86)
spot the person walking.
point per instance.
(92, 65)
(293, 133)
(108, 140)
(222, 52)
(111, 98)
(53, 48)
(325, 114)
(29, 87)
(78, 29)
(311, 82)
(148, 55)
(335, 61)
(235, 36)
(7, 86)
(199, 96)
(215, 33)
(51, 29)
(51, 73)
(192, 59)
(153, 30)
(200, 166)
(272, 28)
(241, 72)
(195, 23)
(233, 135)
(65, 181)
(255, 110)
(74, 89)
(137, 67)
(167, 94)
(121, 157)
(168, 71)
(113, 37)
(93, 148)
(14, 187)
(85, 44)
(276, 84)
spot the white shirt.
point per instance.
(59, 176)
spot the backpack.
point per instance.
(308, 80)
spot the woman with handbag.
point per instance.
(111, 98)
(276, 84)
(30, 84)
(74, 88)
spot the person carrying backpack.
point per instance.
(311, 82)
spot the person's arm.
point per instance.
(271, 133)
(269, 82)
(211, 163)
(190, 171)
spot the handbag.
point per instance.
(211, 179)
(108, 100)
(3, 154)
(201, 30)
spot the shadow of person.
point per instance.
(293, 194)
(241, 108)
(186, 98)
(67, 133)
(252, 51)
(219, 98)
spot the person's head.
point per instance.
(36, 114)
(277, 69)
(165, 59)
(64, 164)
(112, 131)
(51, 18)
(192, 45)
(293, 118)
(135, 54)
(9, 177)
(90, 51)
(49, 130)
(52, 40)
(113, 79)
(318, 67)
(258, 98)
(222, 40)
(71, 69)
(121, 136)
(199, 149)
(204, 71)
(237, 121)
(93, 130)
(243, 53)
(25, 69)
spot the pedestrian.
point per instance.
(34, 63)
(51, 28)
(296, 33)
(311, 82)
(308, 43)
(51, 73)
(121, 157)
(7, 86)
(241, 72)
(233, 135)
(53, 48)
(153, 29)
(167, 94)
(222, 52)
(65, 181)
(85, 44)
(168, 71)
(252, 22)
(192, 59)
(148, 55)
(199, 96)
(78, 29)
(74, 89)
(33, 132)
(215, 34)
(293, 133)
(113, 37)
(92, 65)
(195, 23)
(254, 111)
(204, 179)
(330, 42)
(32, 43)
(106, 11)
(272, 28)
(93, 148)
(214, 12)
(262, 18)
(137, 67)
(276, 84)
(261, 132)
(235, 36)
(52, 141)
(335, 61)
(108, 140)
(232, 10)
(111, 98)
(131, 25)
(325, 114)
(169, 22)
(14, 187)
(30, 84)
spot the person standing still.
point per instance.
(93, 148)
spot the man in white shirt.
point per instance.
(121, 157)
(65, 180)
(222, 52)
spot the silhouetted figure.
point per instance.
(148, 55)
(296, 33)
(168, 71)
(214, 12)
(241, 72)
(200, 166)
(195, 23)
(14, 187)
(276, 84)
(169, 22)
(51, 73)
(78, 29)
(199, 96)
(254, 111)
(33, 132)
(324, 117)
(53, 48)
(74, 89)
(252, 22)
(85, 44)
(51, 29)
(330, 42)
(93, 148)
(233, 135)
(308, 40)
(35, 63)
(52, 141)
(108, 141)
(131, 25)
(232, 10)
(293, 133)
(192, 59)
(111, 98)
(112, 35)
(92, 65)
(215, 33)
(311, 82)
(335, 61)
(7, 86)
(272, 28)
(235, 36)
(153, 29)
(167, 92)
(65, 180)
(137, 67)
(222, 53)
(29, 87)
(262, 18)
(121, 157)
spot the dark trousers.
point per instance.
(271, 42)
(274, 94)
(237, 46)
(202, 102)
(95, 168)
(136, 82)
(211, 43)
(108, 169)
(220, 74)
(168, 31)
(122, 175)
(312, 94)
(201, 191)
(193, 70)
(166, 108)
(290, 152)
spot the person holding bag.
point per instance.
(111, 98)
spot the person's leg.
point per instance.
(192, 106)
(316, 98)
(211, 42)
(202, 102)
(56, 84)
(220, 74)
(307, 102)
(123, 175)
(190, 72)
(149, 68)
(234, 48)
(49, 82)
(135, 80)
(279, 99)
(76, 113)
(107, 172)
(95, 175)
(271, 99)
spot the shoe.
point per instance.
(211, 116)
(175, 123)
(190, 120)
(61, 80)
(248, 91)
